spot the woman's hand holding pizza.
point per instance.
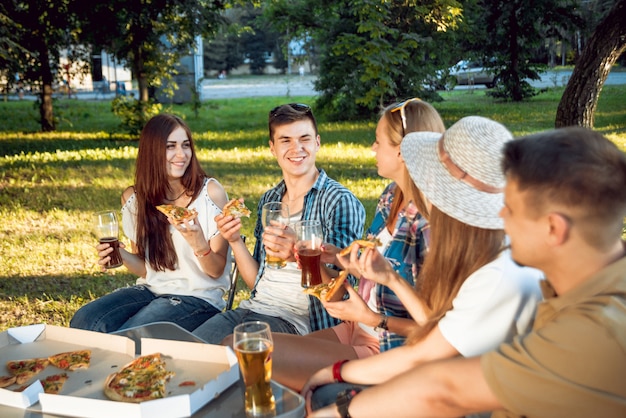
(186, 226)
(352, 309)
(370, 263)
(192, 232)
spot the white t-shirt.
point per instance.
(497, 302)
(280, 292)
(188, 279)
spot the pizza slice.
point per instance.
(236, 208)
(7, 381)
(177, 214)
(54, 383)
(142, 379)
(361, 243)
(71, 360)
(24, 370)
(326, 291)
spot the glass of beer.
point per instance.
(253, 345)
(275, 214)
(107, 231)
(309, 237)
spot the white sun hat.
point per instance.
(460, 172)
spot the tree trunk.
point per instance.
(45, 106)
(140, 73)
(580, 99)
(514, 32)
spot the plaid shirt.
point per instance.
(405, 253)
(342, 216)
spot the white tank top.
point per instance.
(188, 278)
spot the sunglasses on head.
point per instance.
(401, 106)
(300, 107)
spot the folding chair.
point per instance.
(234, 274)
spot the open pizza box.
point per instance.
(212, 368)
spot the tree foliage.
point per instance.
(223, 52)
(507, 35)
(371, 52)
(10, 49)
(150, 35)
(592, 12)
(43, 31)
(245, 36)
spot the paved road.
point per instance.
(303, 86)
(296, 85)
(560, 78)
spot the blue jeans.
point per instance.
(327, 394)
(136, 305)
(221, 326)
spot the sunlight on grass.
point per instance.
(50, 184)
(24, 311)
(50, 243)
(98, 154)
(619, 140)
(58, 135)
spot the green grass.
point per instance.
(51, 183)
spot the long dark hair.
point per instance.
(152, 187)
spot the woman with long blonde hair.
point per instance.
(471, 295)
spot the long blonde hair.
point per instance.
(420, 117)
(456, 250)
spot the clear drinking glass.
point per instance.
(106, 229)
(309, 238)
(252, 342)
(275, 214)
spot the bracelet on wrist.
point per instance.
(382, 325)
(337, 371)
(203, 254)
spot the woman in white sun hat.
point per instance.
(471, 295)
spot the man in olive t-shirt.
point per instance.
(564, 208)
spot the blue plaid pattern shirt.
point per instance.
(405, 253)
(342, 216)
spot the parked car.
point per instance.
(471, 73)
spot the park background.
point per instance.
(51, 183)
(64, 156)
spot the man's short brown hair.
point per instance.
(575, 168)
(290, 113)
